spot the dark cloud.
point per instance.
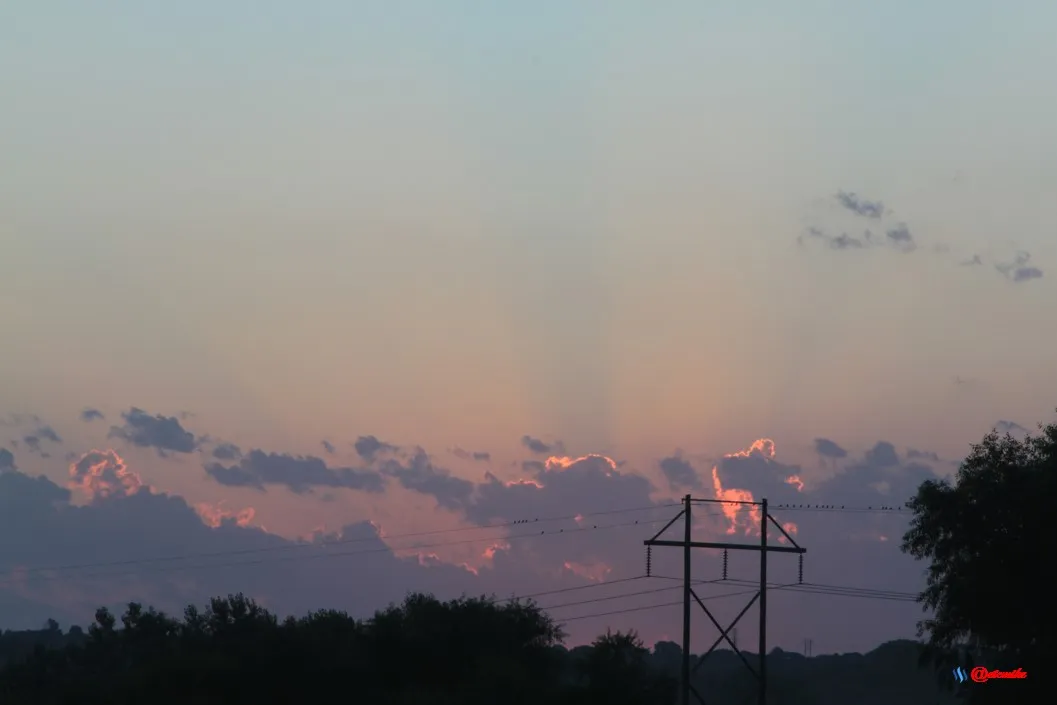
(43, 433)
(479, 456)
(369, 447)
(860, 206)
(538, 447)
(844, 241)
(561, 486)
(91, 414)
(533, 466)
(915, 454)
(19, 491)
(829, 449)
(163, 433)
(882, 455)
(420, 475)
(20, 420)
(900, 237)
(104, 473)
(227, 451)
(1023, 274)
(141, 531)
(48, 434)
(756, 470)
(7, 460)
(300, 475)
(1018, 269)
(1011, 428)
(870, 485)
(680, 474)
(327, 446)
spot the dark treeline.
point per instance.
(422, 652)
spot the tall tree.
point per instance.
(988, 537)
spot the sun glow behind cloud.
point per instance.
(103, 473)
(740, 515)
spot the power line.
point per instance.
(336, 554)
(789, 587)
(880, 509)
(618, 597)
(339, 542)
(530, 596)
(652, 607)
(843, 592)
(868, 592)
(418, 534)
(814, 587)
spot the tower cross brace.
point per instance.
(686, 688)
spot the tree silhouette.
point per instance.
(986, 537)
(618, 672)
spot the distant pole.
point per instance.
(763, 603)
(684, 690)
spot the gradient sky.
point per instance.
(452, 225)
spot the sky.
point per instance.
(278, 279)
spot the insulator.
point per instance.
(800, 580)
(649, 557)
(726, 555)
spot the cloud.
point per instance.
(879, 479)
(538, 447)
(1023, 274)
(103, 473)
(91, 414)
(679, 473)
(900, 237)
(1011, 428)
(300, 475)
(479, 456)
(882, 455)
(915, 454)
(129, 544)
(163, 433)
(559, 486)
(859, 206)
(217, 515)
(420, 475)
(1018, 269)
(42, 433)
(327, 446)
(750, 474)
(838, 242)
(227, 451)
(368, 447)
(828, 449)
(7, 460)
